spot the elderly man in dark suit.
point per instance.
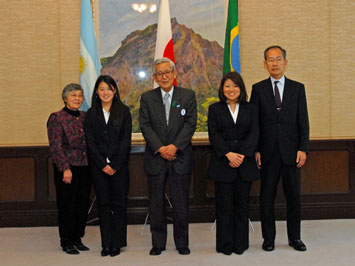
(283, 145)
(167, 118)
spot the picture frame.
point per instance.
(126, 40)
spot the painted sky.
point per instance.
(118, 19)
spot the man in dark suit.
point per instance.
(283, 145)
(167, 118)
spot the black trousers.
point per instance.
(111, 196)
(179, 189)
(291, 181)
(73, 203)
(232, 213)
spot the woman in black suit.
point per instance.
(233, 133)
(108, 128)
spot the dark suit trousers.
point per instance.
(179, 189)
(232, 206)
(73, 203)
(111, 195)
(270, 176)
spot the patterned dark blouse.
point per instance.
(67, 139)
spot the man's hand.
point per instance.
(235, 159)
(109, 170)
(168, 152)
(67, 176)
(258, 159)
(301, 158)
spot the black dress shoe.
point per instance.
(268, 245)
(115, 252)
(297, 245)
(70, 249)
(239, 251)
(80, 246)
(184, 251)
(156, 251)
(105, 252)
(225, 252)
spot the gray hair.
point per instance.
(69, 88)
(163, 60)
(275, 47)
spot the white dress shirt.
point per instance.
(107, 116)
(235, 113)
(170, 92)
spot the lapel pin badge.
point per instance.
(183, 112)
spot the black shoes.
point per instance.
(268, 245)
(297, 245)
(110, 251)
(115, 252)
(70, 249)
(80, 246)
(239, 251)
(184, 251)
(225, 252)
(105, 252)
(156, 251)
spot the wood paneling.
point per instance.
(326, 172)
(27, 191)
(138, 188)
(17, 179)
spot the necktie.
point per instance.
(167, 106)
(277, 97)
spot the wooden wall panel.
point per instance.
(326, 172)
(27, 194)
(17, 179)
(138, 187)
(51, 186)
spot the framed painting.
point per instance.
(127, 35)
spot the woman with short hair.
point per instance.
(68, 150)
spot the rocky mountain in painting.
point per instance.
(198, 62)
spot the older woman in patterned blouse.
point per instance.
(68, 150)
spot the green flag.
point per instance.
(231, 60)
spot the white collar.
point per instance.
(281, 80)
(163, 92)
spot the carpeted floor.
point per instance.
(329, 242)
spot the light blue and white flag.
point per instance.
(90, 64)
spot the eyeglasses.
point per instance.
(159, 75)
(271, 60)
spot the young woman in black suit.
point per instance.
(233, 133)
(108, 128)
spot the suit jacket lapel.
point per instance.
(287, 94)
(269, 91)
(159, 105)
(102, 118)
(226, 112)
(174, 110)
(240, 114)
